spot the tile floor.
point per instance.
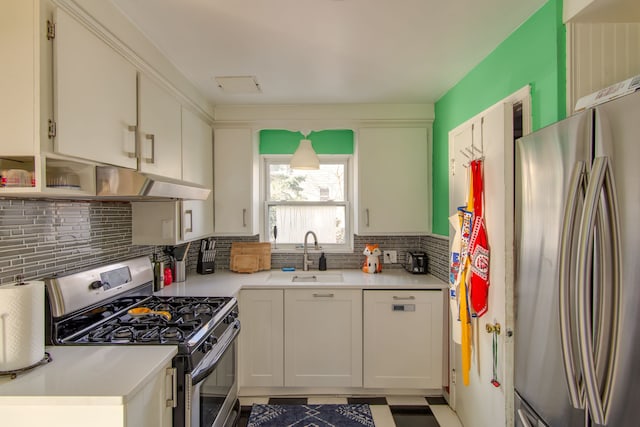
(389, 411)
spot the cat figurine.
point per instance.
(372, 263)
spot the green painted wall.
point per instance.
(533, 54)
(276, 141)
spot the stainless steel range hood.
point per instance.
(126, 184)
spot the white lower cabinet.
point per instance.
(261, 342)
(152, 406)
(403, 339)
(323, 338)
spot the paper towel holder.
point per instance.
(13, 374)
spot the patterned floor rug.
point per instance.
(357, 415)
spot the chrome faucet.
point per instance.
(305, 255)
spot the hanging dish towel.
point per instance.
(454, 277)
(479, 246)
(465, 315)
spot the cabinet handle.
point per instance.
(130, 141)
(152, 138)
(366, 214)
(411, 297)
(244, 217)
(323, 295)
(173, 373)
(190, 228)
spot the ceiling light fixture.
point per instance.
(305, 157)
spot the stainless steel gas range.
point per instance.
(114, 305)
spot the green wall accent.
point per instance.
(276, 141)
(534, 54)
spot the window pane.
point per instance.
(328, 222)
(324, 184)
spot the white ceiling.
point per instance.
(328, 51)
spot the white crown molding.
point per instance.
(325, 116)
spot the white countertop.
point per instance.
(87, 375)
(108, 375)
(227, 283)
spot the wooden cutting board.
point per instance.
(245, 263)
(260, 250)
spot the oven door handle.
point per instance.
(208, 364)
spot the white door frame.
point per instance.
(523, 97)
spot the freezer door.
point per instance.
(618, 139)
(546, 160)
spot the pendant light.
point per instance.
(305, 157)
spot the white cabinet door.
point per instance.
(159, 130)
(261, 343)
(235, 175)
(323, 338)
(95, 97)
(175, 222)
(150, 407)
(197, 167)
(19, 102)
(403, 339)
(394, 181)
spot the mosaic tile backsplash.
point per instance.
(40, 238)
(437, 249)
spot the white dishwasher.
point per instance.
(403, 339)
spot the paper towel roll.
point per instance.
(21, 325)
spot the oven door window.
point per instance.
(210, 393)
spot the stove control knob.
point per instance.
(96, 285)
(208, 344)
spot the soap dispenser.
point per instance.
(322, 263)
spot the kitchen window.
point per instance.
(297, 201)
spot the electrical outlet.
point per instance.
(391, 257)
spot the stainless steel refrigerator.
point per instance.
(577, 333)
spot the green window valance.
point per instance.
(276, 141)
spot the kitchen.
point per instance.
(70, 236)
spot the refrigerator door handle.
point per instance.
(576, 183)
(523, 418)
(601, 180)
(611, 204)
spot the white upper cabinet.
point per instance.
(197, 150)
(197, 167)
(235, 160)
(95, 97)
(19, 101)
(394, 181)
(175, 222)
(159, 131)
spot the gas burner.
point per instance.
(188, 322)
(123, 333)
(172, 333)
(203, 309)
(150, 335)
(101, 334)
(163, 307)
